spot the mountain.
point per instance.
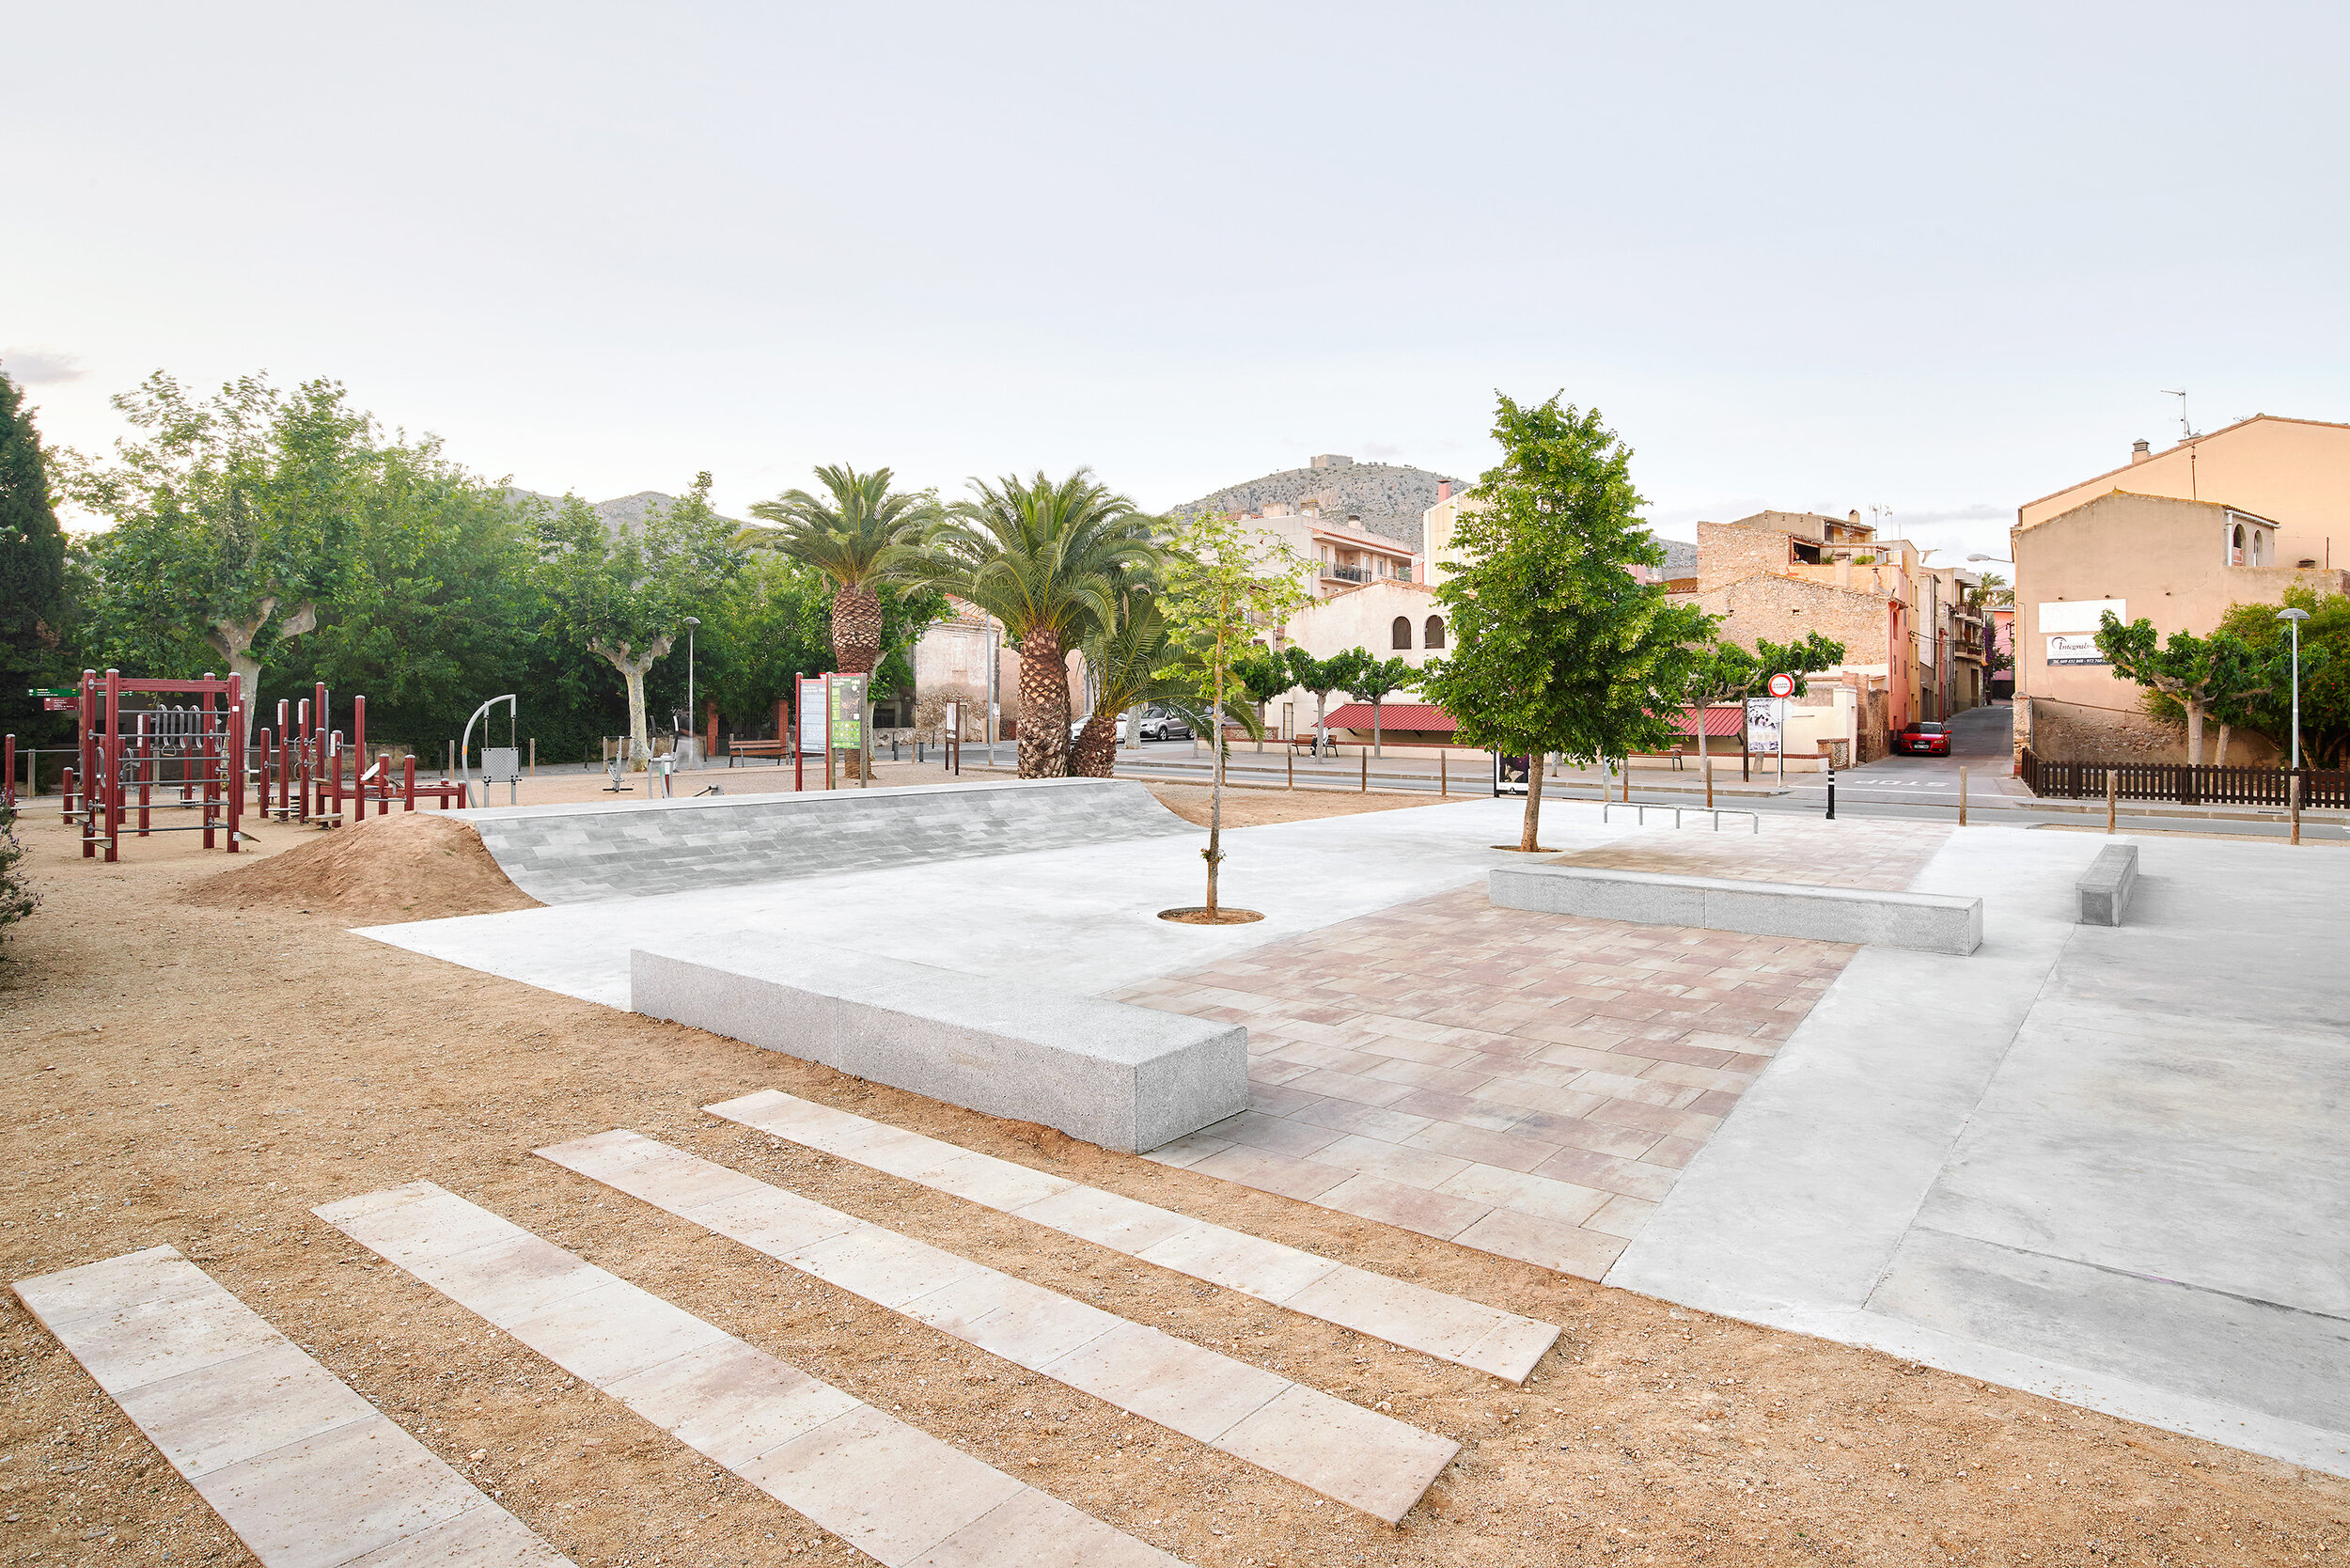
(621, 511)
(1385, 498)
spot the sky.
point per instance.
(1939, 261)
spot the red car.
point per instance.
(1924, 738)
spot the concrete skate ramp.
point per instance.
(633, 849)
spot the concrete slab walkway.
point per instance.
(889, 1489)
(1350, 1455)
(305, 1471)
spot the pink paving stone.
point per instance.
(1368, 1120)
(1546, 1244)
(1608, 1174)
(1273, 1134)
(1431, 1214)
(1486, 1148)
(1352, 1086)
(1457, 1110)
(1419, 1075)
(1671, 1152)
(1571, 1131)
(1254, 1168)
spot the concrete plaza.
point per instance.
(2095, 1163)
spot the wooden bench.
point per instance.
(776, 749)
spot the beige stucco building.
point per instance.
(2175, 536)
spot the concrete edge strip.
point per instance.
(888, 1488)
(1360, 1458)
(292, 1458)
(1450, 1328)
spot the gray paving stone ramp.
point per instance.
(1350, 1455)
(305, 1471)
(1468, 1333)
(887, 1488)
(586, 852)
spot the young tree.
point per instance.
(1225, 588)
(17, 898)
(1730, 673)
(1047, 558)
(624, 592)
(230, 522)
(1262, 674)
(32, 570)
(1321, 677)
(1373, 680)
(1556, 646)
(2197, 673)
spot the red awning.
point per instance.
(1719, 721)
(1392, 715)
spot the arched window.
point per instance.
(1402, 634)
(2235, 546)
(1435, 631)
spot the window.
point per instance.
(1435, 631)
(1401, 636)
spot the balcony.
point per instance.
(1348, 574)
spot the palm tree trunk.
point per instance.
(1096, 748)
(856, 629)
(1531, 834)
(1043, 706)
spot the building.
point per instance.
(2177, 562)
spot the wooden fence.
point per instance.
(2188, 786)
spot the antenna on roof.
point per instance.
(2187, 431)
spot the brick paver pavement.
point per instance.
(1523, 1083)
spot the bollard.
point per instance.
(1962, 797)
(1365, 754)
(534, 755)
(2293, 789)
(1444, 778)
(1831, 786)
(1293, 758)
(2109, 793)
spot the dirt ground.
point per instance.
(202, 1075)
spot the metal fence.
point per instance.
(2181, 782)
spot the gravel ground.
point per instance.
(201, 1076)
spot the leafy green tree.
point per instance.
(1225, 588)
(1262, 674)
(1730, 673)
(1556, 646)
(1048, 558)
(2324, 675)
(624, 592)
(33, 606)
(2195, 673)
(1321, 677)
(1373, 680)
(231, 521)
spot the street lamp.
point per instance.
(692, 715)
(2292, 617)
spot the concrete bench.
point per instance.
(2106, 887)
(1927, 922)
(1126, 1077)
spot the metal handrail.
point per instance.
(1644, 808)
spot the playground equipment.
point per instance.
(133, 752)
(499, 764)
(320, 781)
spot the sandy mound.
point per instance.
(404, 866)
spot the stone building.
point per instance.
(2145, 541)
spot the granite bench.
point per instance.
(2106, 887)
(1927, 922)
(1126, 1077)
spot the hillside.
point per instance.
(621, 511)
(1386, 497)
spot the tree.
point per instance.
(2325, 674)
(1557, 647)
(2195, 673)
(32, 572)
(1128, 659)
(1372, 679)
(1321, 677)
(1048, 558)
(1225, 588)
(1730, 673)
(17, 898)
(853, 535)
(623, 592)
(1262, 674)
(231, 521)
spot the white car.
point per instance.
(1078, 728)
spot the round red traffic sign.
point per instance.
(1782, 685)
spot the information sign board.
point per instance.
(1765, 724)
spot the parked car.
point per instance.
(1924, 738)
(1078, 728)
(1164, 727)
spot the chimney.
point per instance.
(2138, 453)
(1444, 491)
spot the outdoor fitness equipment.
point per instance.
(306, 762)
(128, 753)
(499, 764)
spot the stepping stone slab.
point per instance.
(889, 1489)
(1347, 1454)
(1468, 1333)
(305, 1471)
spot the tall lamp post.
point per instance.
(693, 715)
(2292, 618)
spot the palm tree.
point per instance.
(1125, 658)
(1048, 558)
(855, 537)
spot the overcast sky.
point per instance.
(1938, 259)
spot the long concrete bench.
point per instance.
(2106, 887)
(1126, 1077)
(584, 851)
(1928, 922)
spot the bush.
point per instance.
(17, 898)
